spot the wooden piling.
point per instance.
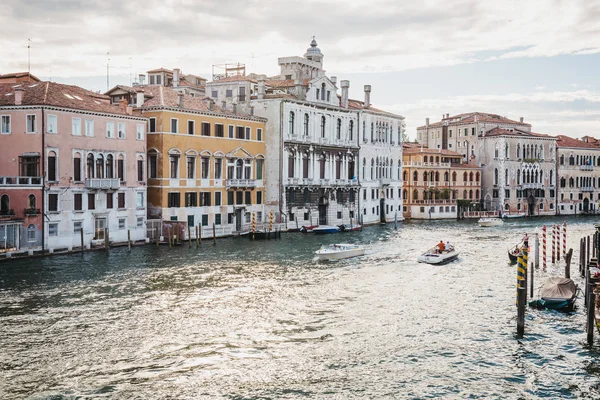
(568, 263)
(553, 244)
(537, 253)
(129, 239)
(157, 237)
(582, 257)
(558, 244)
(587, 251)
(214, 235)
(200, 234)
(521, 300)
(189, 237)
(591, 320)
(196, 237)
(170, 238)
(587, 284)
(82, 244)
(106, 240)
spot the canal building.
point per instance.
(578, 166)
(206, 164)
(313, 136)
(518, 165)
(435, 180)
(71, 162)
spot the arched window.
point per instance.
(109, 166)
(562, 159)
(465, 176)
(323, 91)
(239, 169)
(551, 178)
(338, 129)
(364, 167)
(470, 177)
(446, 176)
(405, 194)
(292, 119)
(372, 167)
(291, 162)
(496, 151)
(4, 205)
(424, 176)
(415, 194)
(174, 164)
(399, 169)
(100, 166)
(424, 159)
(306, 121)
(437, 159)
(454, 176)
(470, 195)
(351, 131)
(465, 194)
(415, 176)
(31, 203)
(506, 176)
(518, 177)
(519, 150)
(372, 132)
(90, 165)
(571, 160)
(52, 167)
(506, 150)
(323, 126)
(477, 177)
(477, 195)
(495, 176)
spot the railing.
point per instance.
(99, 183)
(586, 188)
(20, 180)
(323, 140)
(481, 214)
(433, 202)
(346, 182)
(32, 211)
(7, 213)
(586, 167)
(240, 183)
(532, 186)
(424, 164)
(385, 181)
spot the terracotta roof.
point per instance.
(360, 105)
(59, 95)
(567, 141)
(469, 118)
(185, 82)
(235, 78)
(514, 132)
(16, 75)
(277, 83)
(130, 89)
(161, 69)
(414, 148)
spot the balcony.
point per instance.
(422, 164)
(323, 140)
(6, 213)
(385, 181)
(586, 188)
(20, 180)
(240, 183)
(586, 167)
(99, 183)
(532, 186)
(32, 211)
(345, 182)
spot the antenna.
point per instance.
(107, 70)
(130, 80)
(28, 56)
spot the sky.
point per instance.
(518, 58)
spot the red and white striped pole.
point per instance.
(565, 239)
(544, 247)
(558, 243)
(553, 244)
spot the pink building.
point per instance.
(69, 161)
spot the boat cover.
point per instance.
(558, 288)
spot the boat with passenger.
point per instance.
(439, 255)
(487, 222)
(339, 251)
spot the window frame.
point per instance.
(34, 131)
(9, 124)
(49, 125)
(75, 123)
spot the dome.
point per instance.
(313, 49)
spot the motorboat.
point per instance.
(518, 215)
(307, 228)
(486, 222)
(321, 229)
(434, 256)
(557, 294)
(339, 251)
(350, 228)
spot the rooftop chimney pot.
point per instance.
(123, 105)
(19, 96)
(333, 80)
(139, 98)
(345, 86)
(367, 96)
(521, 119)
(175, 77)
(180, 100)
(427, 122)
(261, 86)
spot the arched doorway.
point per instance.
(323, 205)
(586, 205)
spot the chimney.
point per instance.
(261, 86)
(367, 96)
(333, 80)
(123, 105)
(19, 96)
(210, 104)
(175, 77)
(427, 122)
(345, 86)
(521, 119)
(142, 79)
(139, 98)
(234, 108)
(299, 89)
(447, 115)
(224, 105)
(251, 110)
(180, 100)
(476, 118)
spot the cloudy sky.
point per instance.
(520, 58)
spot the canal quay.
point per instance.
(264, 320)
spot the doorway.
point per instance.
(323, 205)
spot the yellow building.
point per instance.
(205, 164)
(434, 181)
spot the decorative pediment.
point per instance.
(240, 152)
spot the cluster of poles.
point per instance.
(589, 246)
(556, 233)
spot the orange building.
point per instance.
(434, 180)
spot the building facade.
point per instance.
(435, 181)
(578, 166)
(83, 156)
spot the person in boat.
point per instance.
(441, 246)
(526, 240)
(448, 245)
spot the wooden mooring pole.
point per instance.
(568, 263)
(189, 237)
(197, 242)
(82, 244)
(129, 239)
(214, 235)
(157, 238)
(106, 240)
(591, 319)
(521, 292)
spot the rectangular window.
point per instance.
(121, 130)
(219, 130)
(91, 201)
(190, 220)
(228, 93)
(174, 161)
(259, 134)
(77, 226)
(121, 200)
(231, 127)
(229, 198)
(239, 198)
(190, 127)
(205, 170)
(140, 222)
(110, 129)
(174, 123)
(53, 202)
(140, 170)
(173, 200)
(78, 202)
(152, 79)
(217, 198)
(89, 127)
(5, 126)
(248, 133)
(191, 167)
(152, 165)
(52, 229)
(205, 220)
(259, 197)
(140, 131)
(259, 169)
(218, 168)
(122, 223)
(139, 200)
(204, 199)
(152, 124)
(214, 94)
(217, 219)
(191, 199)
(32, 125)
(109, 200)
(240, 132)
(121, 170)
(52, 124)
(248, 198)
(76, 126)
(52, 168)
(205, 129)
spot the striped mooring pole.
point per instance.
(521, 291)
(553, 244)
(270, 221)
(565, 238)
(544, 247)
(558, 243)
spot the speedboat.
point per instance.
(340, 251)
(326, 229)
(307, 228)
(434, 256)
(349, 228)
(557, 294)
(519, 215)
(490, 222)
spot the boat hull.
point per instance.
(339, 253)
(325, 229)
(490, 222)
(512, 257)
(438, 259)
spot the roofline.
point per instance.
(76, 110)
(202, 112)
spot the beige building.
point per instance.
(434, 181)
(578, 166)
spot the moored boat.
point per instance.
(486, 222)
(519, 215)
(514, 253)
(350, 228)
(307, 228)
(340, 251)
(434, 256)
(321, 229)
(557, 294)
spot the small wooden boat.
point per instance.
(340, 251)
(307, 228)
(322, 229)
(433, 256)
(487, 222)
(557, 294)
(514, 253)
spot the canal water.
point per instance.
(263, 320)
